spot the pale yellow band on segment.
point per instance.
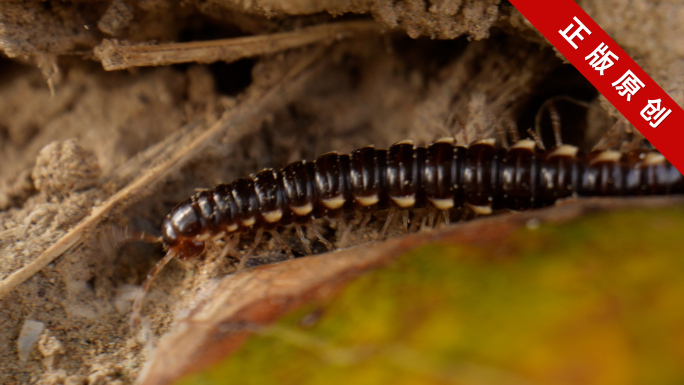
(302, 210)
(482, 210)
(272, 216)
(527, 144)
(607, 156)
(218, 236)
(653, 158)
(442, 204)
(446, 139)
(404, 202)
(203, 237)
(367, 201)
(489, 141)
(334, 202)
(564, 150)
(405, 141)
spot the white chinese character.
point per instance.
(601, 62)
(651, 108)
(629, 84)
(575, 34)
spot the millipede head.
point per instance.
(189, 249)
(182, 246)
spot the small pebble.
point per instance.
(63, 167)
(49, 345)
(28, 336)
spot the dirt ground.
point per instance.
(84, 149)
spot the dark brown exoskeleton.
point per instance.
(443, 175)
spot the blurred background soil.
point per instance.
(402, 69)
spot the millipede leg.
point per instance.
(447, 220)
(137, 305)
(431, 218)
(300, 233)
(536, 138)
(503, 135)
(229, 248)
(512, 129)
(610, 138)
(363, 222)
(463, 131)
(405, 220)
(556, 124)
(390, 216)
(344, 230)
(322, 239)
(250, 251)
(282, 244)
(479, 131)
(418, 221)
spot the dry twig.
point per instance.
(116, 56)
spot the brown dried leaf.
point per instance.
(244, 301)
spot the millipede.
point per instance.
(481, 177)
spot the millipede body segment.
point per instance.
(442, 175)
